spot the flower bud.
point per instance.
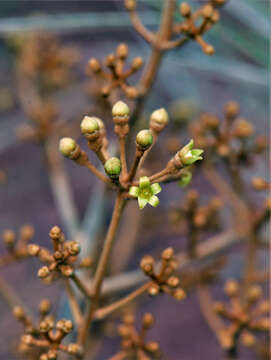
(44, 357)
(33, 249)
(122, 51)
(110, 60)
(147, 264)
(75, 349)
(66, 270)
(185, 179)
(52, 355)
(144, 139)
(243, 128)
(95, 65)
(148, 320)
(154, 290)
(209, 49)
(173, 281)
(152, 347)
(45, 326)
(137, 63)
(188, 155)
(259, 183)
(86, 262)
(167, 254)
(120, 109)
(74, 248)
(179, 294)
(254, 293)
(219, 308)
(231, 109)
(129, 319)
(55, 233)
(18, 313)
(9, 237)
(207, 11)
(113, 167)
(27, 232)
(64, 325)
(247, 339)
(130, 5)
(231, 288)
(185, 9)
(158, 120)
(27, 339)
(44, 306)
(43, 272)
(67, 146)
(89, 125)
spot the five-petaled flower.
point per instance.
(146, 192)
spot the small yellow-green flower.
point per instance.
(145, 192)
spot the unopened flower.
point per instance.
(113, 167)
(120, 109)
(146, 193)
(67, 146)
(188, 155)
(185, 179)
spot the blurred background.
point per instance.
(187, 80)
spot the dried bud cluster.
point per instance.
(231, 138)
(134, 344)
(47, 335)
(17, 244)
(117, 75)
(207, 15)
(62, 260)
(164, 280)
(246, 318)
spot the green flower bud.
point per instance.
(113, 167)
(188, 155)
(89, 125)
(144, 139)
(159, 117)
(67, 146)
(120, 109)
(185, 179)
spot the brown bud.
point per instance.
(173, 281)
(231, 109)
(152, 347)
(9, 237)
(209, 49)
(207, 11)
(147, 264)
(74, 248)
(86, 262)
(185, 9)
(52, 355)
(130, 5)
(223, 150)
(247, 338)
(219, 307)
(148, 320)
(64, 325)
(154, 290)
(110, 60)
(131, 92)
(243, 128)
(44, 306)
(44, 357)
(167, 254)
(137, 63)
(33, 249)
(18, 313)
(43, 272)
(46, 326)
(129, 319)
(122, 51)
(95, 65)
(27, 339)
(259, 183)
(27, 232)
(254, 293)
(231, 288)
(179, 294)
(75, 349)
(55, 233)
(66, 270)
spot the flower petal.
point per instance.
(144, 181)
(133, 191)
(154, 201)
(142, 202)
(156, 188)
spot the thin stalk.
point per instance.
(101, 268)
(74, 306)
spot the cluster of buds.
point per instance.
(231, 138)
(43, 124)
(145, 189)
(41, 58)
(203, 217)
(117, 75)
(46, 335)
(62, 260)
(246, 317)
(209, 15)
(163, 280)
(16, 245)
(134, 344)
